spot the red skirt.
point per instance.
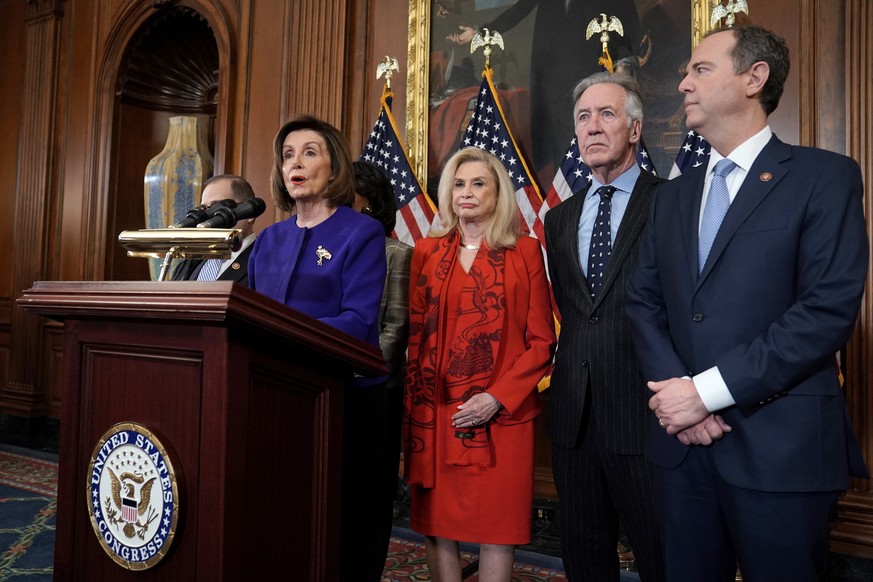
(490, 505)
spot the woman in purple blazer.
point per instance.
(328, 261)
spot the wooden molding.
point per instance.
(205, 303)
(172, 64)
(853, 533)
(858, 91)
(34, 196)
(38, 9)
(806, 64)
(853, 529)
(318, 65)
(357, 116)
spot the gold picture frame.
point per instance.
(418, 68)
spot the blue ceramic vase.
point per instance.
(174, 178)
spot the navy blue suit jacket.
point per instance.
(778, 296)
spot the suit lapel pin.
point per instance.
(322, 253)
(235, 266)
(766, 176)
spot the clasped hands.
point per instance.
(477, 410)
(681, 412)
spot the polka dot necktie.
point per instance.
(717, 203)
(601, 241)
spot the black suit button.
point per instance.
(584, 363)
(594, 319)
(697, 317)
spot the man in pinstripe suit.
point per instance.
(598, 402)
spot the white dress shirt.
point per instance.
(710, 384)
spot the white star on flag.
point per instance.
(694, 152)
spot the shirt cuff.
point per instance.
(712, 390)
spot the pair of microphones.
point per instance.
(221, 214)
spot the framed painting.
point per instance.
(545, 54)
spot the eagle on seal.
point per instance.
(130, 508)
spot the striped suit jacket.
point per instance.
(596, 383)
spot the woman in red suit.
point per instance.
(481, 338)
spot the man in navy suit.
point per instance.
(223, 187)
(736, 321)
(597, 399)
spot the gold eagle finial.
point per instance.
(728, 12)
(486, 38)
(604, 27)
(387, 66)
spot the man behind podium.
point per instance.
(223, 187)
(736, 316)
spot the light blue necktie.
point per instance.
(210, 269)
(717, 204)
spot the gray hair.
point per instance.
(633, 103)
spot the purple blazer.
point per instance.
(333, 272)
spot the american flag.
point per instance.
(415, 211)
(694, 152)
(489, 131)
(643, 159)
(574, 175)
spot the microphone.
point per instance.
(200, 213)
(228, 217)
(194, 216)
(251, 208)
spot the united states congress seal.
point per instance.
(133, 496)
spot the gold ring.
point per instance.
(661, 423)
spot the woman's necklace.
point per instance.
(464, 245)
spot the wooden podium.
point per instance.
(245, 395)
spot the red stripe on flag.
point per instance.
(410, 222)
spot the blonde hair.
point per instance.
(503, 230)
